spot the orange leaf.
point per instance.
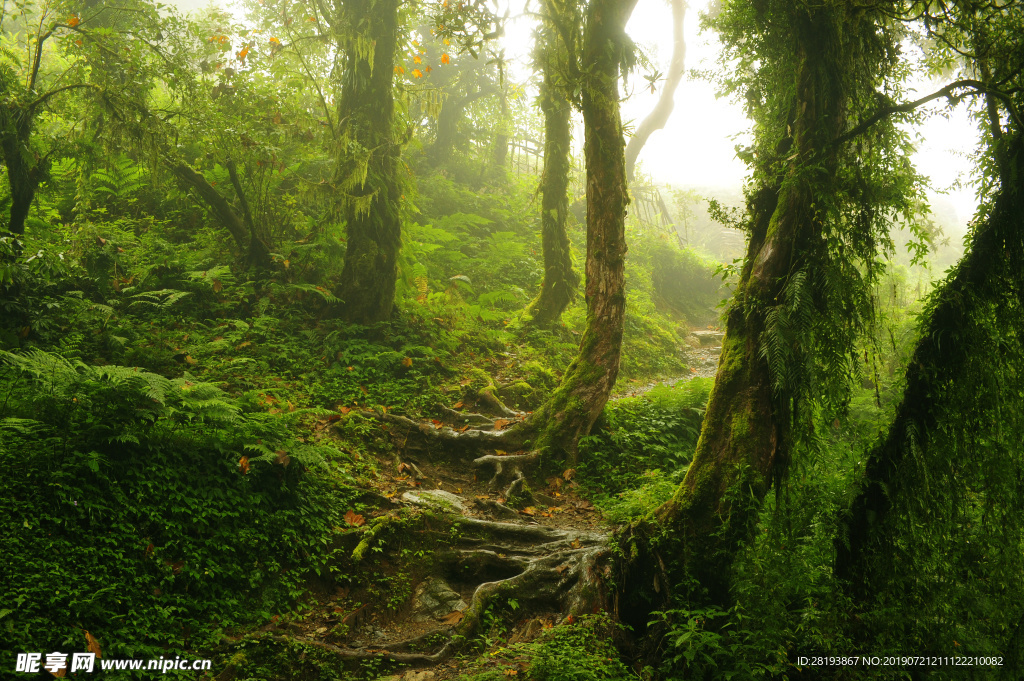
(428, 69)
(399, 69)
(407, 362)
(417, 73)
(93, 644)
(568, 473)
(570, 619)
(191, 360)
(74, 21)
(445, 59)
(511, 672)
(453, 618)
(416, 58)
(243, 465)
(345, 410)
(457, 405)
(354, 519)
(243, 54)
(501, 423)
(275, 41)
(529, 510)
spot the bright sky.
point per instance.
(696, 148)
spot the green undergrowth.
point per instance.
(640, 448)
(582, 650)
(154, 513)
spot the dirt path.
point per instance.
(703, 356)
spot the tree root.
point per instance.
(476, 438)
(507, 469)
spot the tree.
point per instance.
(558, 287)
(64, 53)
(818, 209)
(943, 377)
(659, 115)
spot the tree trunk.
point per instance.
(574, 406)
(946, 346)
(560, 281)
(259, 240)
(371, 194)
(220, 206)
(659, 115)
(23, 178)
(746, 437)
(448, 119)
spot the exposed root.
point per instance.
(488, 397)
(512, 438)
(467, 418)
(507, 469)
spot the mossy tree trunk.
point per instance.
(560, 281)
(577, 402)
(367, 179)
(944, 353)
(23, 177)
(746, 437)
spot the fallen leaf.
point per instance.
(529, 510)
(511, 672)
(568, 473)
(354, 519)
(452, 618)
(501, 423)
(93, 644)
(217, 286)
(345, 410)
(571, 619)
(575, 544)
(243, 345)
(243, 465)
(407, 362)
(457, 405)
(191, 360)
(282, 458)
(74, 21)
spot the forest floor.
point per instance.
(540, 533)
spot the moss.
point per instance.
(740, 426)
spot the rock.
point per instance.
(423, 675)
(437, 499)
(709, 336)
(435, 599)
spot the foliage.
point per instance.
(179, 511)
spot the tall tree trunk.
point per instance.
(452, 112)
(371, 192)
(577, 402)
(659, 115)
(22, 177)
(259, 239)
(746, 437)
(946, 347)
(560, 281)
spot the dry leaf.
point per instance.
(345, 410)
(511, 672)
(93, 644)
(217, 286)
(501, 423)
(458, 405)
(529, 510)
(354, 519)
(243, 344)
(407, 362)
(190, 359)
(243, 465)
(568, 473)
(452, 618)
(74, 21)
(282, 458)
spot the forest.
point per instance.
(366, 339)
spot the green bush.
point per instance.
(154, 513)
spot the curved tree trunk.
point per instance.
(659, 115)
(946, 346)
(371, 194)
(574, 406)
(746, 437)
(560, 281)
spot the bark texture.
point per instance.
(659, 115)
(560, 281)
(369, 184)
(577, 402)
